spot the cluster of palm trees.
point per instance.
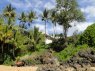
(10, 16)
(50, 15)
(26, 20)
(65, 12)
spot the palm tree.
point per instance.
(31, 16)
(45, 17)
(54, 20)
(5, 37)
(23, 20)
(9, 14)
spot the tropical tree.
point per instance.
(5, 38)
(23, 20)
(35, 42)
(45, 17)
(68, 11)
(31, 16)
(9, 14)
(54, 20)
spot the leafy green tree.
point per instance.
(68, 11)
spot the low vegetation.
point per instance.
(69, 52)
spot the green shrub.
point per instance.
(8, 60)
(88, 37)
(69, 52)
(30, 58)
(57, 45)
(30, 62)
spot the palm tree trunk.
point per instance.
(45, 28)
(45, 32)
(13, 53)
(2, 49)
(54, 31)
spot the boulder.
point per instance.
(20, 63)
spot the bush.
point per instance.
(57, 45)
(31, 59)
(68, 52)
(88, 37)
(8, 60)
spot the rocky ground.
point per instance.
(82, 61)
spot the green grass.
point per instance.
(68, 52)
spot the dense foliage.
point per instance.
(68, 52)
(88, 36)
(17, 41)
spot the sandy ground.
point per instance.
(9, 68)
(31, 68)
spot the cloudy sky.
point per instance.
(86, 6)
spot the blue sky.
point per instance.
(86, 6)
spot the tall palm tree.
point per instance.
(9, 14)
(31, 16)
(23, 20)
(54, 20)
(45, 17)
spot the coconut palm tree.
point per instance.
(5, 37)
(45, 17)
(23, 20)
(54, 20)
(9, 14)
(31, 16)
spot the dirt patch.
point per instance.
(9, 68)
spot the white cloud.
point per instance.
(83, 26)
(92, 2)
(90, 11)
(59, 29)
(79, 26)
(38, 3)
(53, 1)
(19, 4)
(75, 26)
(49, 5)
(41, 27)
